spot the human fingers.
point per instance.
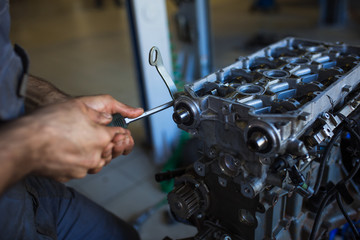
(128, 111)
(107, 153)
(102, 118)
(97, 169)
(62, 179)
(106, 103)
(68, 174)
(94, 170)
(123, 144)
(130, 146)
(75, 140)
(100, 103)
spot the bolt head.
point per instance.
(325, 115)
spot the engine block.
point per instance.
(264, 122)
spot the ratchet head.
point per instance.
(155, 59)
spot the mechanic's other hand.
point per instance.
(72, 141)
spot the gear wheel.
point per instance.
(184, 201)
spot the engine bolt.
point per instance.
(226, 237)
(257, 142)
(325, 116)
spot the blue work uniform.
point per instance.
(36, 207)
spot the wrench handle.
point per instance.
(118, 121)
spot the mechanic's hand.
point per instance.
(107, 104)
(122, 143)
(71, 139)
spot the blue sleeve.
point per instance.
(11, 71)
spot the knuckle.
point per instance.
(81, 174)
(130, 143)
(104, 137)
(118, 148)
(108, 158)
(108, 96)
(121, 152)
(77, 102)
(128, 151)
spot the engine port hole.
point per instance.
(250, 89)
(299, 60)
(276, 74)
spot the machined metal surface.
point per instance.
(263, 122)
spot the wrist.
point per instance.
(55, 96)
(16, 142)
(41, 93)
(18, 150)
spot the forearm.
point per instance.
(63, 141)
(21, 140)
(16, 155)
(41, 93)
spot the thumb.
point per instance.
(102, 118)
(128, 111)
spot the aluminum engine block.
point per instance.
(263, 122)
